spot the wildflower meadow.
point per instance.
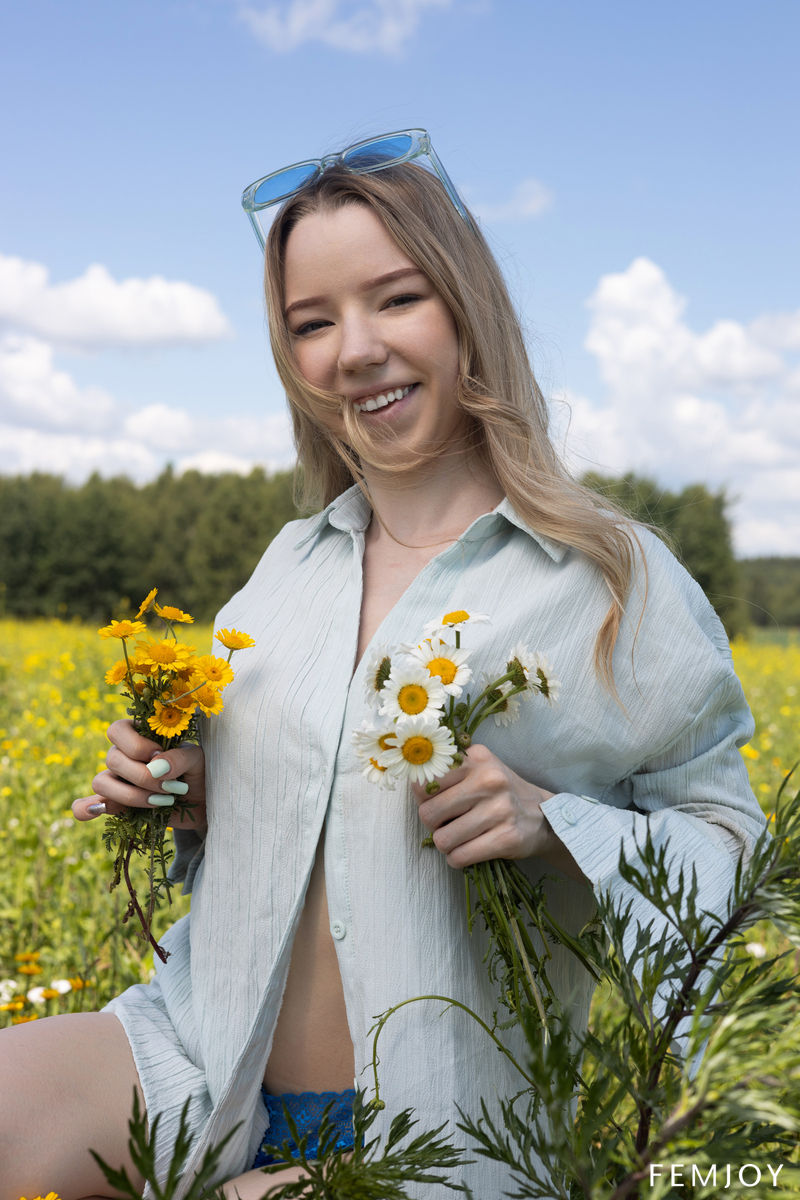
(62, 945)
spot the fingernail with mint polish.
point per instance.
(96, 810)
(158, 768)
(158, 801)
(175, 786)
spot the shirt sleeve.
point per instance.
(685, 782)
(190, 850)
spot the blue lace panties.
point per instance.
(306, 1109)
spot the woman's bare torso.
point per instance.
(311, 1049)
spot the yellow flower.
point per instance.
(168, 655)
(232, 639)
(29, 969)
(122, 629)
(148, 600)
(49, 1196)
(180, 695)
(173, 614)
(28, 956)
(214, 670)
(208, 699)
(23, 1020)
(117, 673)
(169, 721)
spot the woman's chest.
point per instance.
(387, 574)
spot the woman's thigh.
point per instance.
(66, 1086)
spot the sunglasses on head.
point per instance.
(374, 154)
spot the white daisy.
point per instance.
(62, 986)
(448, 663)
(371, 746)
(508, 712)
(423, 749)
(542, 677)
(376, 672)
(456, 620)
(37, 995)
(7, 989)
(537, 670)
(411, 691)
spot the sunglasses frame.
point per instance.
(420, 147)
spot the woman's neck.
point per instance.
(430, 508)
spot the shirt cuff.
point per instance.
(594, 833)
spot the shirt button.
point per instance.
(570, 813)
(338, 930)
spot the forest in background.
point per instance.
(89, 552)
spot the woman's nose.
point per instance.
(361, 345)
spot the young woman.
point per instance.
(419, 425)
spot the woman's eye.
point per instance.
(309, 327)
(399, 301)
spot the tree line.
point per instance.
(93, 551)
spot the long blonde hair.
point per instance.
(496, 385)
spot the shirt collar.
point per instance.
(351, 513)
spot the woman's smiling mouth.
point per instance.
(382, 399)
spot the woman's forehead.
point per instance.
(337, 242)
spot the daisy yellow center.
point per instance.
(417, 750)
(170, 716)
(161, 653)
(412, 698)
(455, 618)
(374, 762)
(386, 741)
(445, 668)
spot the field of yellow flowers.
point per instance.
(62, 947)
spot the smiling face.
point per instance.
(365, 322)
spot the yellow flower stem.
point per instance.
(451, 1003)
(135, 907)
(129, 673)
(191, 692)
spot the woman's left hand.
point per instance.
(484, 810)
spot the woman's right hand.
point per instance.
(133, 778)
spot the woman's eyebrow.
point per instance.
(368, 286)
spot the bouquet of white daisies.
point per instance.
(424, 720)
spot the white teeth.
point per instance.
(383, 399)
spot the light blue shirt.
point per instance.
(282, 770)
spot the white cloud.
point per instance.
(529, 199)
(95, 310)
(34, 393)
(74, 455)
(357, 26)
(684, 406)
(781, 330)
(92, 433)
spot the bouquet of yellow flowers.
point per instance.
(169, 687)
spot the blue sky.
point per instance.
(635, 167)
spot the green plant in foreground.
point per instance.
(700, 1061)
(697, 1062)
(361, 1174)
